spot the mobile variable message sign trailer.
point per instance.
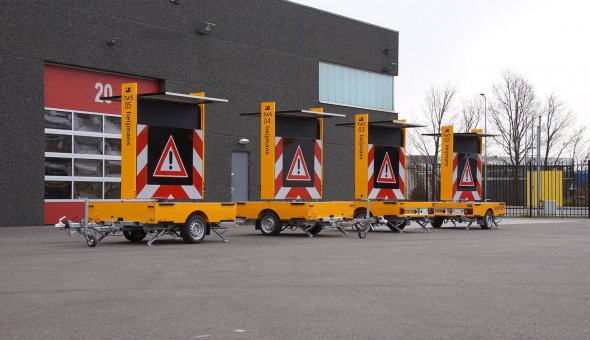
(291, 172)
(460, 181)
(162, 173)
(380, 173)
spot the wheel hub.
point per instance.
(489, 220)
(267, 224)
(197, 230)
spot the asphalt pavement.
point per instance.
(529, 280)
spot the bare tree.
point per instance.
(437, 106)
(472, 112)
(557, 121)
(578, 144)
(586, 155)
(512, 112)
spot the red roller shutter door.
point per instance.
(77, 89)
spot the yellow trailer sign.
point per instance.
(128, 144)
(267, 150)
(361, 141)
(446, 164)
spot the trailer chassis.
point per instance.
(94, 233)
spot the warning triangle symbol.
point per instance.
(466, 177)
(170, 164)
(386, 174)
(298, 170)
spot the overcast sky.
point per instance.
(470, 42)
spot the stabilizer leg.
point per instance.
(496, 222)
(219, 231)
(304, 228)
(423, 224)
(396, 228)
(155, 236)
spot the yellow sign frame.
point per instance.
(128, 140)
(446, 163)
(361, 154)
(267, 150)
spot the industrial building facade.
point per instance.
(58, 59)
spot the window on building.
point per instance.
(82, 155)
(348, 86)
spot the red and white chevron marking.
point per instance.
(313, 192)
(151, 191)
(466, 195)
(384, 193)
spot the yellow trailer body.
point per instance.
(396, 209)
(304, 211)
(467, 209)
(154, 212)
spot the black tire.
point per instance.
(270, 224)
(400, 226)
(363, 215)
(134, 235)
(361, 233)
(488, 220)
(437, 222)
(194, 230)
(91, 241)
(315, 229)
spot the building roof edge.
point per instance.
(338, 15)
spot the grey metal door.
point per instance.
(239, 176)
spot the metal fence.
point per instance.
(564, 187)
(423, 182)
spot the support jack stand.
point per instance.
(496, 222)
(219, 230)
(155, 235)
(423, 224)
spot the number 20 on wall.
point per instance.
(105, 90)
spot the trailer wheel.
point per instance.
(270, 224)
(488, 220)
(91, 241)
(361, 216)
(134, 235)
(400, 226)
(194, 230)
(437, 222)
(315, 229)
(362, 233)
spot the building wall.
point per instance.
(260, 50)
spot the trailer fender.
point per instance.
(265, 211)
(362, 212)
(204, 217)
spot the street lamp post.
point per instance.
(539, 168)
(485, 147)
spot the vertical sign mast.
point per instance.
(267, 150)
(128, 142)
(361, 141)
(446, 163)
